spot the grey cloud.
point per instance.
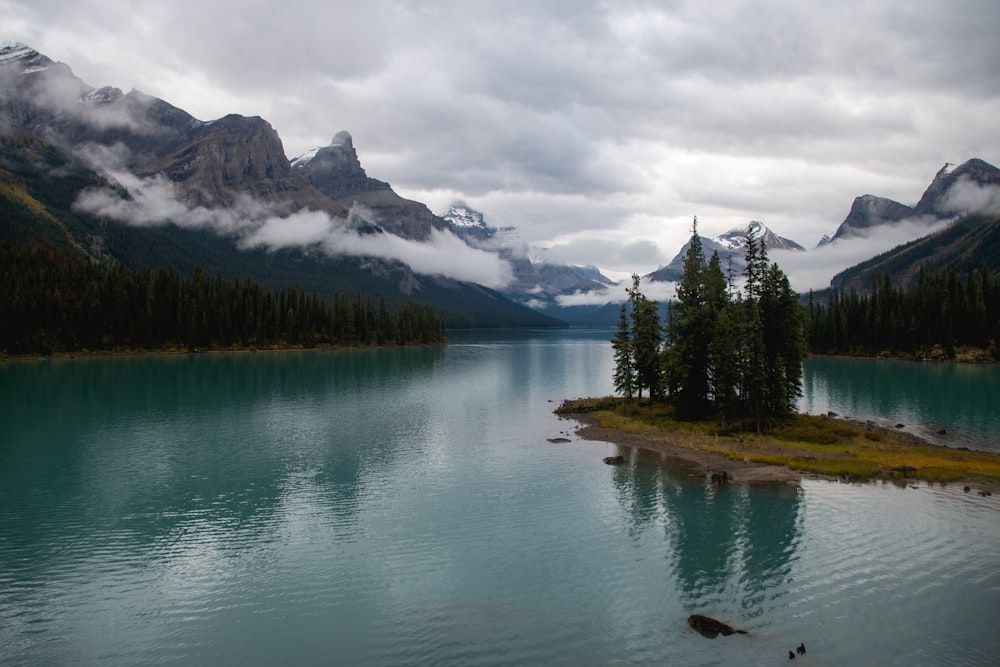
(155, 201)
(580, 117)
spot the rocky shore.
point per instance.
(711, 457)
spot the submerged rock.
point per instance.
(711, 627)
(614, 460)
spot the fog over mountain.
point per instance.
(231, 175)
(597, 129)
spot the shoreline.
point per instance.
(690, 455)
(181, 351)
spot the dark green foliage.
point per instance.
(942, 311)
(971, 240)
(727, 356)
(646, 340)
(688, 336)
(624, 376)
(55, 301)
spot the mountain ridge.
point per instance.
(208, 166)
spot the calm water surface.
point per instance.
(401, 507)
(925, 397)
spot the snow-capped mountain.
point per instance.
(461, 216)
(730, 247)
(537, 283)
(735, 239)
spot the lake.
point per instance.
(400, 507)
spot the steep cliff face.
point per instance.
(869, 211)
(236, 156)
(941, 199)
(212, 164)
(336, 171)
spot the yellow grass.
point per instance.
(809, 443)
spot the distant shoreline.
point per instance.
(181, 351)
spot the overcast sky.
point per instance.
(598, 129)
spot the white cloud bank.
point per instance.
(155, 201)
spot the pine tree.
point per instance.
(783, 344)
(646, 342)
(754, 382)
(724, 334)
(624, 375)
(688, 333)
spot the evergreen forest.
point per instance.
(943, 312)
(54, 301)
(726, 354)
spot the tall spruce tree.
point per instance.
(646, 342)
(754, 383)
(688, 335)
(624, 375)
(724, 335)
(783, 344)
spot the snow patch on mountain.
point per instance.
(460, 215)
(305, 158)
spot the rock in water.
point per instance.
(711, 627)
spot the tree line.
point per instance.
(724, 353)
(942, 311)
(54, 301)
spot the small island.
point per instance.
(722, 380)
(805, 446)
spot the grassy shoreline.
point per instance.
(819, 446)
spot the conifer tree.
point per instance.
(646, 341)
(724, 336)
(624, 375)
(688, 333)
(754, 383)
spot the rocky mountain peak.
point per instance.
(343, 138)
(935, 199)
(870, 211)
(462, 215)
(335, 170)
(735, 238)
(23, 57)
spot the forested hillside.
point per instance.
(55, 301)
(938, 315)
(39, 184)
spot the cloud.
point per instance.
(654, 290)
(582, 117)
(155, 201)
(813, 269)
(966, 196)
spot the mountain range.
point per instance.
(942, 199)
(130, 178)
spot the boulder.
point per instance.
(711, 627)
(614, 460)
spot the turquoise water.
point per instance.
(400, 507)
(963, 400)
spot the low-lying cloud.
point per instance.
(155, 201)
(966, 196)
